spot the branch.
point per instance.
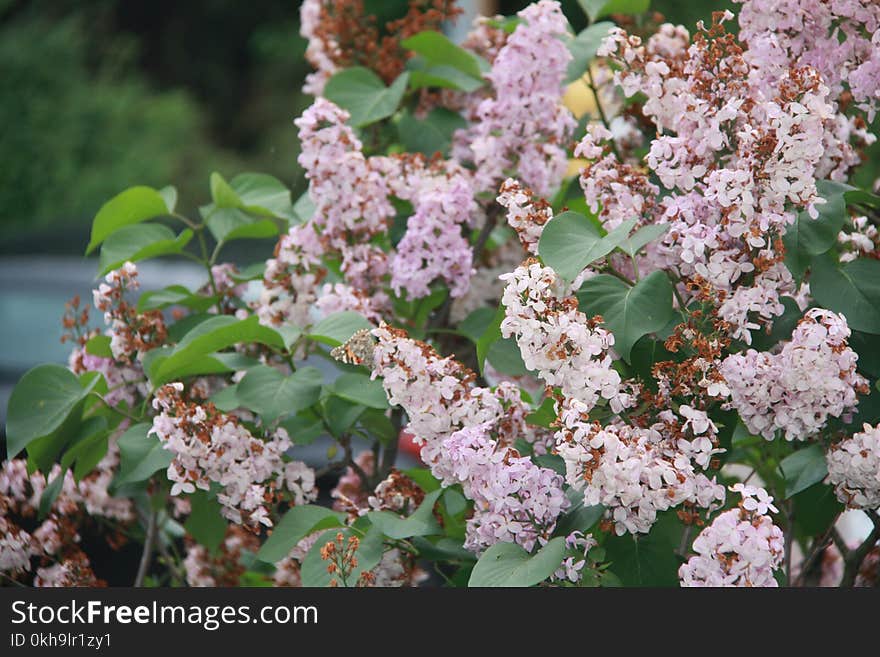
(854, 558)
(147, 554)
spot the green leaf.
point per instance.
(272, 394)
(598, 8)
(228, 224)
(207, 337)
(544, 415)
(474, 325)
(363, 94)
(99, 345)
(51, 492)
(140, 455)
(629, 312)
(430, 135)
(507, 564)
(360, 389)
(583, 49)
(222, 193)
(504, 355)
(132, 206)
(647, 559)
(437, 49)
(491, 335)
(802, 469)
(340, 414)
(296, 524)
(88, 448)
(39, 404)
(174, 295)
(579, 518)
(140, 242)
(421, 523)
(304, 427)
(643, 236)
(338, 327)
(369, 553)
(425, 75)
(570, 242)
(263, 194)
(852, 288)
(205, 523)
(169, 195)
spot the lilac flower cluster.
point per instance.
(522, 128)
(742, 546)
(638, 472)
(515, 501)
(796, 391)
(854, 469)
(211, 447)
(556, 340)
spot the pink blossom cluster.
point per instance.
(638, 472)
(526, 215)
(522, 128)
(839, 39)
(741, 547)
(316, 49)
(515, 501)
(572, 567)
(854, 469)
(452, 419)
(209, 446)
(54, 538)
(556, 340)
(796, 391)
(740, 153)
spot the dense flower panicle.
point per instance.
(320, 50)
(556, 340)
(209, 446)
(796, 391)
(637, 472)
(862, 240)
(527, 216)
(350, 197)
(223, 567)
(514, 499)
(837, 38)
(741, 547)
(126, 382)
(523, 126)
(131, 332)
(854, 469)
(434, 246)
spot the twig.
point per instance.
(818, 547)
(854, 558)
(147, 554)
(595, 90)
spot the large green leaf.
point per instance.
(570, 242)
(423, 74)
(174, 295)
(263, 194)
(628, 312)
(140, 242)
(40, 403)
(803, 468)
(140, 455)
(272, 394)
(851, 288)
(647, 559)
(436, 48)
(207, 337)
(296, 524)
(228, 224)
(430, 135)
(205, 522)
(360, 389)
(338, 327)
(88, 448)
(132, 206)
(421, 523)
(507, 564)
(809, 237)
(364, 95)
(583, 49)
(644, 235)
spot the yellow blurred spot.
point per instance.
(579, 99)
(574, 166)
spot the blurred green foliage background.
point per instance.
(99, 95)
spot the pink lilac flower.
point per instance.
(854, 469)
(741, 547)
(796, 391)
